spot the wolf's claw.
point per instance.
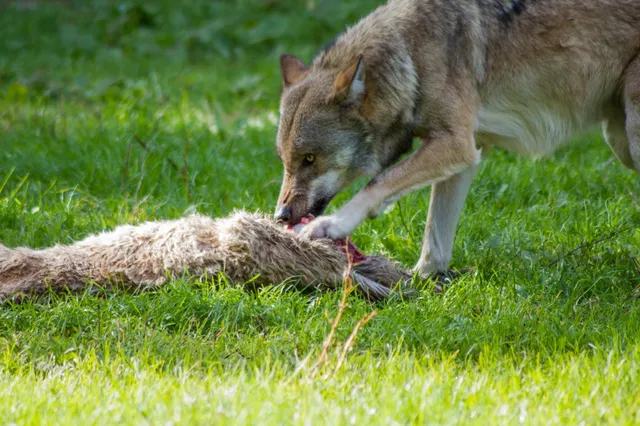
(443, 279)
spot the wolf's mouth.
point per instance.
(318, 208)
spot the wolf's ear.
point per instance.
(293, 69)
(349, 86)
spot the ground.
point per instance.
(114, 112)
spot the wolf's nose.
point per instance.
(283, 214)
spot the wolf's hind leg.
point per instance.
(632, 110)
(615, 132)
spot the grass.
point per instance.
(115, 112)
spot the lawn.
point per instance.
(118, 112)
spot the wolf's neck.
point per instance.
(391, 78)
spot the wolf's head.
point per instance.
(324, 138)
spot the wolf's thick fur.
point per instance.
(463, 76)
(243, 246)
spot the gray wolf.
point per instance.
(463, 76)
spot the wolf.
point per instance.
(463, 76)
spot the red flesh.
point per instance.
(354, 255)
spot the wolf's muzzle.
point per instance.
(319, 206)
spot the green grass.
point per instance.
(115, 113)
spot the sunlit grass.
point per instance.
(96, 132)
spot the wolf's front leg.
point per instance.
(434, 161)
(447, 201)
(344, 221)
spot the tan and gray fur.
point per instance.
(247, 248)
(462, 76)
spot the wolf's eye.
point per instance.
(308, 159)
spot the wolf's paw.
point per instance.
(443, 279)
(327, 227)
